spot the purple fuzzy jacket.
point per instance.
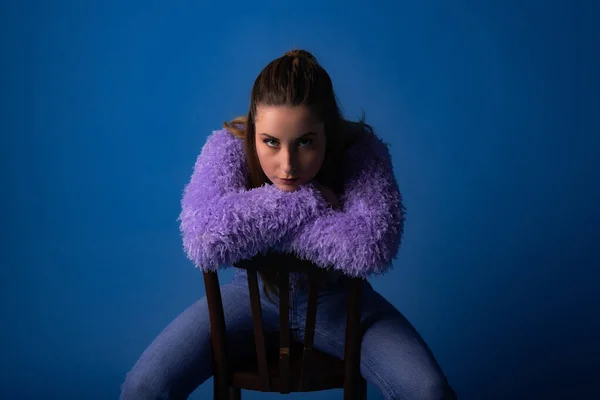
(222, 222)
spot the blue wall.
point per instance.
(492, 114)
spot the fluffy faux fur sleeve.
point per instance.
(222, 222)
(364, 237)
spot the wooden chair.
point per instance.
(298, 367)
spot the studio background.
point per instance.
(491, 111)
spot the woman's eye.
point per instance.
(301, 142)
(307, 142)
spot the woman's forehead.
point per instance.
(287, 123)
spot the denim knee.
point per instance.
(136, 387)
(434, 389)
(396, 380)
(438, 390)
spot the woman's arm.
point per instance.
(222, 222)
(364, 237)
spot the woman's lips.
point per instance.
(288, 181)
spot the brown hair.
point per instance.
(296, 79)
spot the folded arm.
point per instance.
(222, 222)
(364, 236)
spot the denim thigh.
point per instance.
(394, 357)
(180, 358)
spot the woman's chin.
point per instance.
(287, 188)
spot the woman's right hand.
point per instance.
(328, 194)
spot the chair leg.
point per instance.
(220, 392)
(235, 393)
(357, 392)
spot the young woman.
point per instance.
(293, 176)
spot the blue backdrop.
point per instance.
(491, 111)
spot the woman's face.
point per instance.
(290, 144)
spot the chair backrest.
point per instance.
(283, 264)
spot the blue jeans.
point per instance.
(394, 357)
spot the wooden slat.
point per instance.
(309, 331)
(235, 393)
(217, 334)
(353, 383)
(353, 339)
(259, 333)
(284, 328)
(363, 389)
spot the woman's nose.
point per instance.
(289, 164)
